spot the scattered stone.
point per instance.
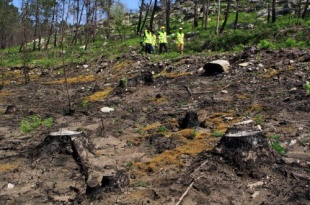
(244, 64)
(107, 109)
(255, 194)
(224, 91)
(256, 184)
(10, 186)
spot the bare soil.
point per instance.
(143, 152)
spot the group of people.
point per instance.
(151, 40)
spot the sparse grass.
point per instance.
(161, 129)
(275, 144)
(217, 134)
(31, 123)
(85, 103)
(259, 119)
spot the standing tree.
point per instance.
(273, 11)
(168, 4)
(237, 15)
(50, 10)
(140, 17)
(195, 13)
(218, 15)
(153, 13)
(305, 10)
(8, 22)
(226, 16)
(205, 17)
(118, 12)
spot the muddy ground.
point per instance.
(144, 151)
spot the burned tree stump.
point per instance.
(245, 149)
(115, 182)
(189, 121)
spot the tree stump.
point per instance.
(190, 120)
(245, 149)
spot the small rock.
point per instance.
(256, 193)
(259, 183)
(292, 142)
(260, 65)
(224, 91)
(10, 186)
(106, 109)
(244, 64)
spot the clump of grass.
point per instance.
(275, 144)
(266, 44)
(161, 129)
(85, 103)
(217, 134)
(32, 122)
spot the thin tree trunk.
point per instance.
(50, 31)
(207, 14)
(195, 13)
(237, 15)
(140, 17)
(273, 11)
(218, 15)
(153, 13)
(145, 17)
(168, 2)
(226, 16)
(305, 10)
(268, 16)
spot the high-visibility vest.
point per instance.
(147, 37)
(154, 39)
(162, 37)
(180, 38)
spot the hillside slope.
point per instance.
(141, 152)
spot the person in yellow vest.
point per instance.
(147, 36)
(180, 40)
(162, 39)
(154, 41)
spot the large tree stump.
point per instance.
(245, 149)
